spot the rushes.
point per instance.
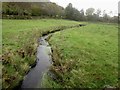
(60, 68)
(21, 53)
(18, 60)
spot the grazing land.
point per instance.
(51, 45)
(19, 43)
(85, 57)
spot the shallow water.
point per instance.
(34, 77)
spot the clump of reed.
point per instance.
(60, 67)
(18, 60)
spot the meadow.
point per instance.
(82, 57)
(19, 44)
(85, 57)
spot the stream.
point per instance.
(33, 78)
(44, 60)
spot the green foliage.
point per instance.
(90, 11)
(32, 9)
(72, 13)
(35, 10)
(90, 14)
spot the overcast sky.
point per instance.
(108, 5)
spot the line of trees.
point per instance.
(90, 15)
(27, 10)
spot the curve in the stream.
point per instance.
(44, 61)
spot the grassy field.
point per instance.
(19, 43)
(85, 57)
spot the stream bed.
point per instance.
(44, 60)
(34, 77)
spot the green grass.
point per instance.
(16, 30)
(85, 57)
(19, 43)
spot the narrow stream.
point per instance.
(44, 60)
(33, 78)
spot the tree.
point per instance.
(72, 13)
(96, 15)
(98, 12)
(90, 11)
(82, 16)
(69, 11)
(76, 14)
(106, 17)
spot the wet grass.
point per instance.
(85, 57)
(19, 44)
